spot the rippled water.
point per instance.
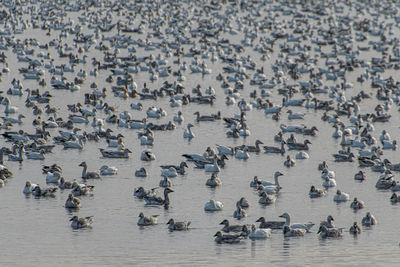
(37, 231)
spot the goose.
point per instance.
(227, 238)
(394, 198)
(156, 200)
(270, 189)
(147, 155)
(274, 183)
(341, 196)
(316, 192)
(44, 192)
(270, 224)
(53, 178)
(106, 170)
(115, 153)
(20, 158)
(212, 167)
(255, 148)
(81, 189)
(180, 169)
(302, 155)
(141, 172)
(389, 144)
(188, 132)
(178, 226)
(325, 232)
(357, 204)
(337, 133)
(73, 143)
(35, 155)
(291, 128)
(9, 109)
(230, 228)
(14, 120)
(28, 188)
(213, 181)
(244, 203)
(329, 222)
(295, 116)
(165, 182)
(355, 229)
(343, 157)
(272, 149)
(368, 220)
(239, 213)
(267, 199)
(88, 175)
(147, 221)
(140, 192)
(178, 117)
(79, 223)
(242, 154)
(136, 106)
(72, 202)
(171, 172)
(293, 232)
(213, 205)
(259, 233)
(305, 226)
(289, 162)
(64, 184)
(298, 146)
(327, 173)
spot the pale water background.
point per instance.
(37, 232)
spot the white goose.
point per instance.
(242, 154)
(213, 205)
(305, 226)
(188, 132)
(106, 170)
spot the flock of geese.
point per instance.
(310, 55)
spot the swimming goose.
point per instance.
(88, 175)
(329, 222)
(272, 149)
(302, 155)
(230, 228)
(212, 167)
(389, 144)
(357, 204)
(225, 150)
(227, 238)
(316, 192)
(188, 132)
(53, 178)
(35, 155)
(165, 182)
(74, 143)
(213, 205)
(394, 198)
(178, 226)
(239, 213)
(141, 172)
(355, 229)
(147, 155)
(81, 189)
(156, 200)
(325, 232)
(299, 146)
(171, 172)
(327, 173)
(289, 162)
(244, 203)
(178, 117)
(140, 192)
(368, 220)
(147, 221)
(270, 224)
(267, 199)
(341, 196)
(28, 188)
(44, 192)
(179, 169)
(259, 233)
(123, 154)
(295, 116)
(213, 181)
(106, 170)
(79, 223)
(64, 184)
(242, 154)
(305, 226)
(14, 120)
(292, 232)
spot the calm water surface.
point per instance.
(37, 232)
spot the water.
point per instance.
(37, 231)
